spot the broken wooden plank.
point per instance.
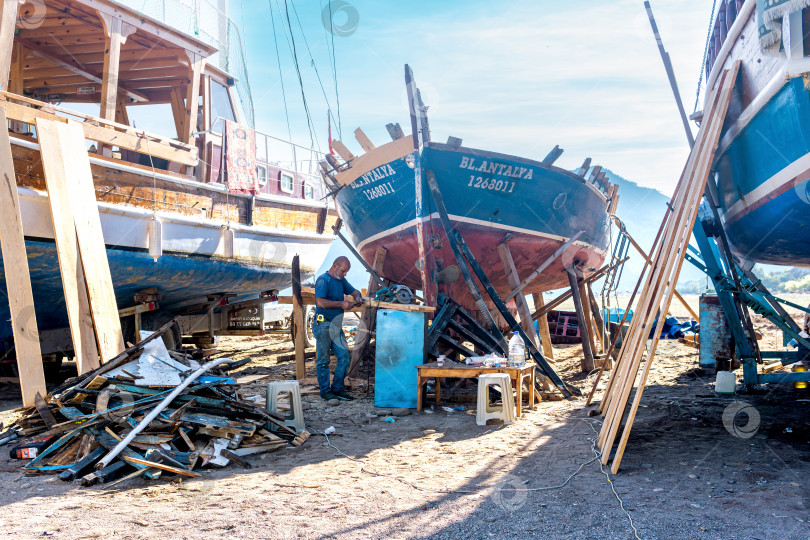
(44, 411)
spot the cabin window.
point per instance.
(261, 172)
(309, 191)
(221, 106)
(286, 182)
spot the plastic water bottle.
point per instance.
(517, 350)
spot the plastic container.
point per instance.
(726, 382)
(517, 350)
(440, 360)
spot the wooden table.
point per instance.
(463, 371)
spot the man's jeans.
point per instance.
(329, 337)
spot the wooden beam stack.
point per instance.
(666, 262)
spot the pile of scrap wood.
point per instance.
(145, 413)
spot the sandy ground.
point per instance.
(686, 473)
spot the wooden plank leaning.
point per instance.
(667, 261)
(18, 282)
(63, 150)
(67, 248)
(636, 339)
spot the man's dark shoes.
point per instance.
(326, 396)
(342, 394)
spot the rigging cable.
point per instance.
(310, 124)
(705, 55)
(315, 67)
(280, 75)
(334, 68)
(331, 53)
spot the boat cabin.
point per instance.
(58, 53)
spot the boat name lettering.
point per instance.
(491, 184)
(374, 175)
(496, 168)
(379, 191)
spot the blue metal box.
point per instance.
(401, 339)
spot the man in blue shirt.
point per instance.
(328, 327)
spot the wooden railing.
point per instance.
(27, 110)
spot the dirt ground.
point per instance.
(686, 473)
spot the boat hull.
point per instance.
(178, 277)
(763, 160)
(489, 198)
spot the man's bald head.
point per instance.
(340, 267)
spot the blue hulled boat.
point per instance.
(763, 161)
(491, 198)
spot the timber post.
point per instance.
(587, 352)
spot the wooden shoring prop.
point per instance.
(18, 278)
(667, 260)
(543, 266)
(520, 300)
(587, 363)
(462, 252)
(542, 324)
(298, 323)
(368, 318)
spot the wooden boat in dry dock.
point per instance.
(533, 205)
(172, 213)
(763, 163)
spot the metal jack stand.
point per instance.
(739, 290)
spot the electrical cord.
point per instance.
(450, 491)
(594, 449)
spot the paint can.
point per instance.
(799, 368)
(715, 334)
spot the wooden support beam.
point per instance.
(121, 115)
(298, 322)
(543, 266)
(16, 82)
(197, 64)
(587, 363)
(364, 141)
(75, 165)
(583, 169)
(8, 20)
(342, 151)
(552, 156)
(380, 156)
(18, 279)
(368, 319)
(178, 111)
(542, 323)
(596, 314)
(72, 66)
(588, 320)
(395, 131)
(520, 301)
(116, 35)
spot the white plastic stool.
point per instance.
(484, 411)
(295, 416)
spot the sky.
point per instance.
(515, 77)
